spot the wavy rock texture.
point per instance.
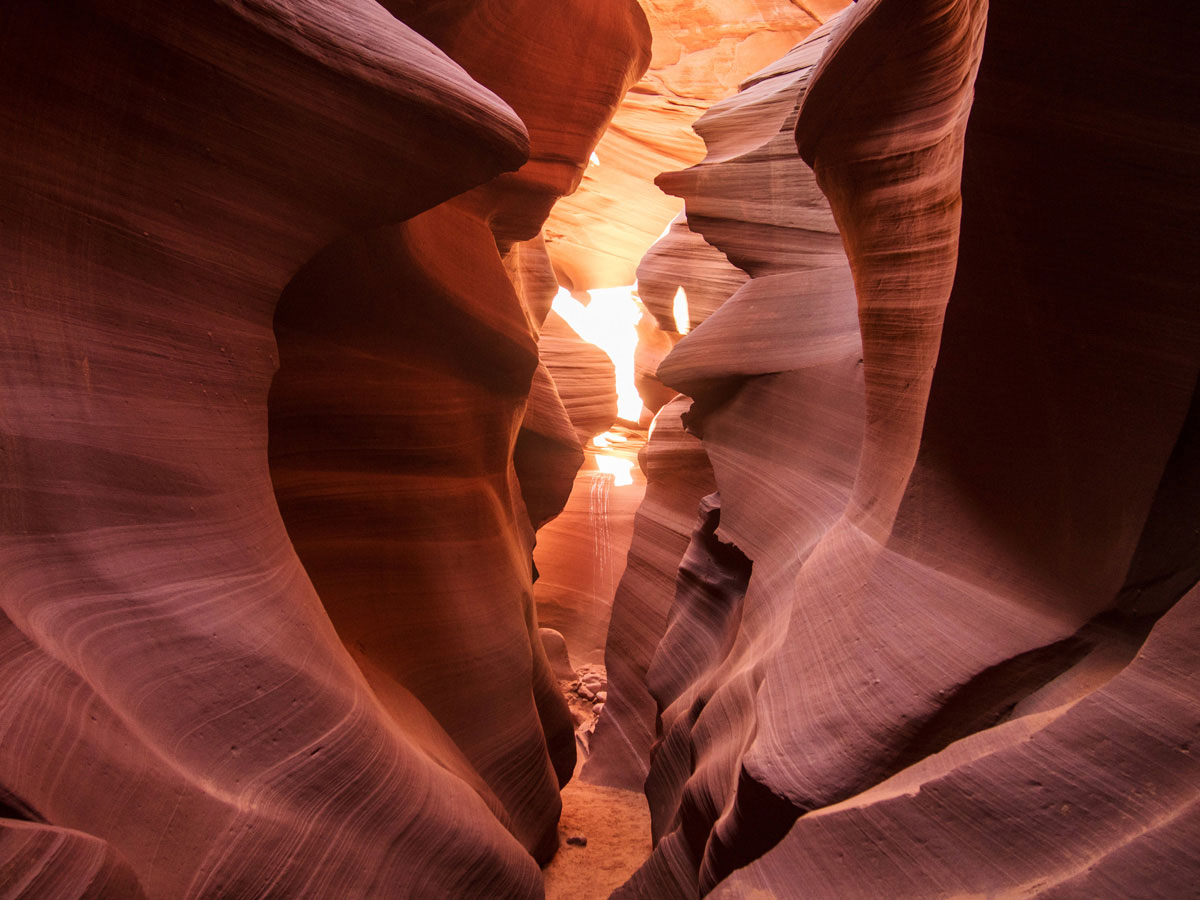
(42, 861)
(766, 318)
(393, 447)
(596, 236)
(653, 346)
(584, 376)
(733, 598)
(778, 322)
(548, 452)
(677, 475)
(391, 455)
(563, 67)
(702, 50)
(684, 259)
(180, 718)
(962, 608)
(581, 554)
(1082, 793)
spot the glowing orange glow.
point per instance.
(619, 468)
(610, 322)
(683, 320)
(608, 439)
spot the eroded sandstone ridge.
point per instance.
(931, 634)
(702, 49)
(910, 607)
(182, 714)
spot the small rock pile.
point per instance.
(585, 695)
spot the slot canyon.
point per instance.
(647, 449)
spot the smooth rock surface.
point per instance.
(583, 375)
(173, 686)
(181, 718)
(702, 50)
(934, 681)
(684, 259)
(396, 419)
(677, 475)
(581, 554)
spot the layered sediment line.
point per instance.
(937, 630)
(184, 715)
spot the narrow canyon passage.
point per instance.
(641, 449)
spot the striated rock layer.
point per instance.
(547, 453)
(173, 686)
(677, 474)
(796, 327)
(702, 50)
(583, 376)
(180, 716)
(391, 455)
(407, 357)
(43, 861)
(682, 259)
(954, 658)
(581, 554)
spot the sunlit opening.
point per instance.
(683, 320)
(619, 468)
(595, 160)
(608, 439)
(610, 322)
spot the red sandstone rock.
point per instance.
(940, 688)
(1092, 797)
(584, 376)
(933, 679)
(172, 683)
(762, 329)
(391, 454)
(563, 68)
(43, 861)
(683, 259)
(547, 453)
(653, 345)
(395, 418)
(799, 324)
(702, 50)
(556, 652)
(581, 554)
(174, 689)
(677, 475)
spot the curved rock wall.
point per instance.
(677, 475)
(946, 673)
(702, 50)
(407, 357)
(906, 614)
(391, 455)
(563, 67)
(801, 377)
(180, 717)
(547, 453)
(684, 259)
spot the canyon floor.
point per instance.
(604, 832)
(616, 825)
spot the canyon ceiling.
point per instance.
(910, 606)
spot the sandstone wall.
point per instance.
(183, 714)
(949, 670)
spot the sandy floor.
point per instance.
(616, 824)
